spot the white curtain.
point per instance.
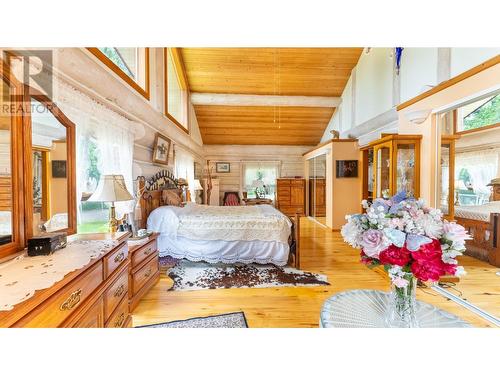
(184, 168)
(482, 167)
(100, 127)
(267, 171)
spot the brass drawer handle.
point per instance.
(71, 301)
(120, 320)
(119, 257)
(147, 274)
(119, 291)
(148, 251)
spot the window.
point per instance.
(176, 89)
(102, 148)
(479, 114)
(260, 176)
(130, 63)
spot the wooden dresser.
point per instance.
(291, 194)
(144, 268)
(93, 296)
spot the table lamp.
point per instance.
(111, 188)
(197, 187)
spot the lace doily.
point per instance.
(22, 276)
(233, 223)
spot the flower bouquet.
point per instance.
(411, 241)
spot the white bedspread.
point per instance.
(228, 234)
(481, 213)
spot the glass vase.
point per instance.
(401, 309)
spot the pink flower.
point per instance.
(455, 232)
(397, 256)
(400, 282)
(373, 243)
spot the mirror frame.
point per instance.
(18, 232)
(70, 164)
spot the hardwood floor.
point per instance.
(323, 251)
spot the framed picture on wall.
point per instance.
(59, 168)
(161, 149)
(346, 168)
(222, 167)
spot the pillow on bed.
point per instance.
(172, 197)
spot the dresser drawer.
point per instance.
(283, 183)
(93, 318)
(120, 316)
(61, 305)
(115, 259)
(115, 293)
(297, 182)
(141, 277)
(140, 254)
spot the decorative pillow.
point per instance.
(172, 197)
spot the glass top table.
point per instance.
(362, 308)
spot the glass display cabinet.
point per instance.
(392, 164)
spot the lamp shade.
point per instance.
(197, 185)
(257, 184)
(111, 188)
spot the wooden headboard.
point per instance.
(150, 192)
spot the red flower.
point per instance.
(365, 259)
(449, 269)
(428, 270)
(428, 252)
(398, 256)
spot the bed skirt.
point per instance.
(262, 252)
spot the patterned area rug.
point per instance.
(200, 275)
(231, 320)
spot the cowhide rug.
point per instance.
(189, 275)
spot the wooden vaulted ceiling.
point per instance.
(267, 71)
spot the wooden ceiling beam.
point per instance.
(264, 100)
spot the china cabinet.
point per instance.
(391, 164)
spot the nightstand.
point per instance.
(144, 268)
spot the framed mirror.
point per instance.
(50, 161)
(11, 158)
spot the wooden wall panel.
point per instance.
(250, 125)
(270, 71)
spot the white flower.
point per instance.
(460, 271)
(351, 233)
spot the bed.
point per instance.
(482, 222)
(227, 234)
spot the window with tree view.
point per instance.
(481, 113)
(176, 100)
(130, 63)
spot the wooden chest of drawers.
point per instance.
(92, 296)
(291, 196)
(144, 269)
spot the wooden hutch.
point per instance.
(391, 164)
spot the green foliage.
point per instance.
(93, 153)
(487, 114)
(93, 227)
(112, 54)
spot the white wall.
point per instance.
(372, 92)
(463, 59)
(373, 88)
(290, 157)
(418, 71)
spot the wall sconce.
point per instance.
(419, 116)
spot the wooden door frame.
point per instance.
(18, 233)
(70, 161)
